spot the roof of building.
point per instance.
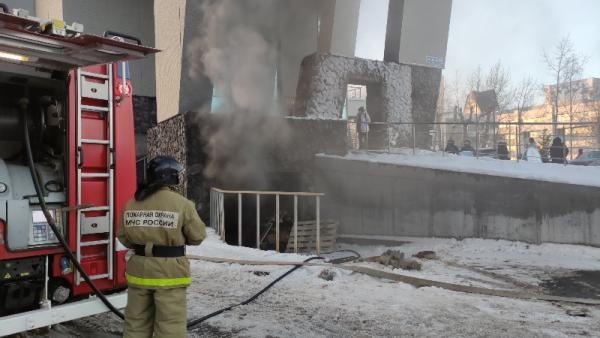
(485, 100)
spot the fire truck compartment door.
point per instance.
(22, 46)
(18, 223)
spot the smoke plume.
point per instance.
(237, 49)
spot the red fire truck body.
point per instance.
(73, 90)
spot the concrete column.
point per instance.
(393, 31)
(49, 9)
(338, 26)
(169, 18)
(325, 25)
(417, 32)
(298, 37)
(196, 89)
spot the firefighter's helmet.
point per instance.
(163, 171)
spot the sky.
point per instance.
(515, 32)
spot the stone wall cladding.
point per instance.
(169, 138)
(425, 92)
(324, 79)
(398, 93)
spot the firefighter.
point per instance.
(157, 224)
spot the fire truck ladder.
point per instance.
(95, 87)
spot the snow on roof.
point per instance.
(547, 172)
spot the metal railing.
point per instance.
(217, 214)
(484, 136)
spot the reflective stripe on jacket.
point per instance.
(164, 218)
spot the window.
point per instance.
(356, 97)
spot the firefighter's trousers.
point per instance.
(155, 313)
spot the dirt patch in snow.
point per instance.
(578, 284)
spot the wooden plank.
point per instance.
(307, 236)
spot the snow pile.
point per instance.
(212, 246)
(549, 172)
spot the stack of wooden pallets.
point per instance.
(307, 236)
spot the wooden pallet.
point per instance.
(307, 236)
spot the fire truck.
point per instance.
(67, 157)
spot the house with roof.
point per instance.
(578, 118)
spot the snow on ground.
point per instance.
(549, 172)
(213, 247)
(356, 305)
(523, 262)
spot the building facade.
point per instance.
(578, 119)
(243, 55)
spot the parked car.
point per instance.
(587, 158)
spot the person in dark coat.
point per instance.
(558, 151)
(502, 151)
(451, 147)
(467, 147)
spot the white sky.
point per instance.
(513, 31)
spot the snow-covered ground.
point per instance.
(356, 305)
(549, 172)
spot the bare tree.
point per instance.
(455, 95)
(571, 85)
(572, 75)
(498, 80)
(557, 62)
(524, 94)
(475, 83)
(475, 80)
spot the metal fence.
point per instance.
(484, 137)
(218, 214)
